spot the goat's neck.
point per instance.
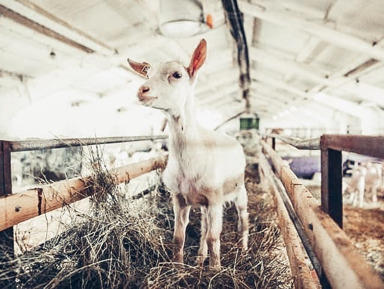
(183, 127)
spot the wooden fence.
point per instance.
(341, 265)
(302, 220)
(22, 206)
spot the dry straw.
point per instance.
(126, 243)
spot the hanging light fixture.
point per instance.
(179, 19)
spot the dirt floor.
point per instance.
(365, 227)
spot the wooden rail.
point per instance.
(332, 147)
(302, 274)
(15, 208)
(22, 206)
(343, 266)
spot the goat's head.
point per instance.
(169, 84)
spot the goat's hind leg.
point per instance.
(181, 211)
(241, 203)
(215, 225)
(203, 249)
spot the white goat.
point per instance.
(204, 168)
(366, 177)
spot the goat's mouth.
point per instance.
(147, 100)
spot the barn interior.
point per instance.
(278, 70)
(310, 67)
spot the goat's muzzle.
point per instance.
(142, 93)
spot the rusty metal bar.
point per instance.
(29, 145)
(6, 236)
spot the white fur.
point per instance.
(204, 168)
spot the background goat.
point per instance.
(204, 168)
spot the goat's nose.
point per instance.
(142, 91)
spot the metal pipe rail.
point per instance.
(307, 144)
(28, 145)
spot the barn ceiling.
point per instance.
(313, 64)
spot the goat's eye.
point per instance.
(176, 75)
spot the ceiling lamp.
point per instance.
(179, 19)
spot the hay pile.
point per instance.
(124, 243)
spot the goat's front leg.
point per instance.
(203, 249)
(374, 195)
(215, 224)
(243, 223)
(181, 211)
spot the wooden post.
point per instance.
(343, 266)
(273, 143)
(6, 236)
(331, 184)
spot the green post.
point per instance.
(249, 122)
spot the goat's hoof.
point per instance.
(215, 268)
(178, 265)
(200, 261)
(178, 258)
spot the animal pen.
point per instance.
(319, 252)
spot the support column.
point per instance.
(331, 184)
(6, 236)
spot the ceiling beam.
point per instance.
(228, 118)
(268, 99)
(36, 18)
(341, 104)
(217, 80)
(259, 87)
(266, 12)
(227, 103)
(220, 91)
(365, 91)
(279, 84)
(291, 66)
(20, 19)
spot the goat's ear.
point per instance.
(140, 68)
(198, 58)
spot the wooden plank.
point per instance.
(303, 277)
(342, 264)
(25, 205)
(366, 145)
